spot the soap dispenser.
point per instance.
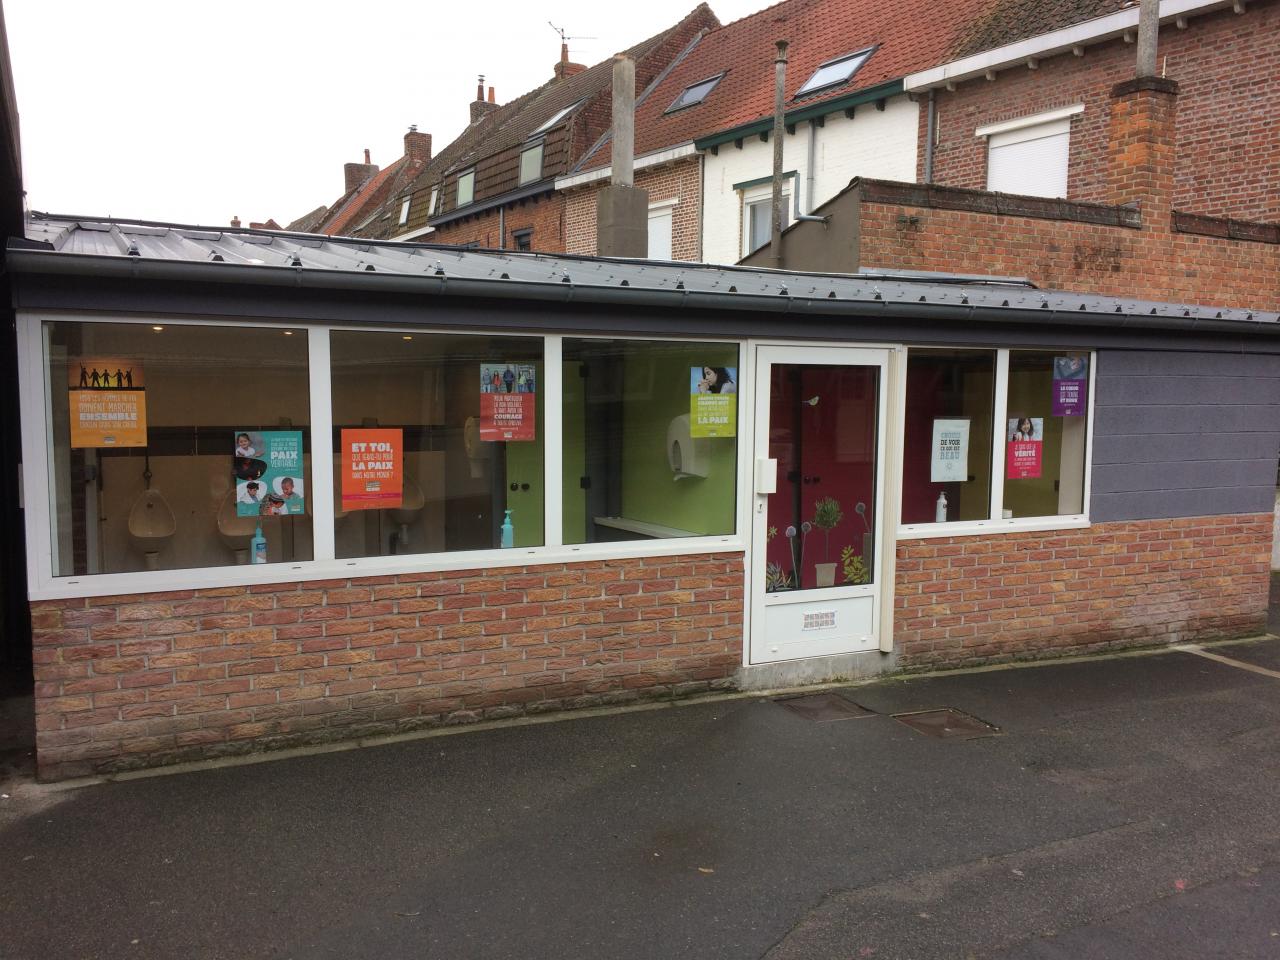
(508, 531)
(940, 511)
(258, 545)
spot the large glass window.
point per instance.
(466, 188)
(650, 439)
(438, 442)
(946, 454)
(531, 164)
(177, 446)
(1045, 429)
(757, 219)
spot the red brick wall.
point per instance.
(1068, 255)
(1228, 139)
(967, 600)
(681, 181)
(134, 681)
(544, 215)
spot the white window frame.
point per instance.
(753, 195)
(435, 199)
(995, 522)
(35, 387)
(458, 204)
(404, 210)
(536, 176)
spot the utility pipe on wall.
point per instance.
(931, 133)
(779, 132)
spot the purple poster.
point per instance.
(1070, 380)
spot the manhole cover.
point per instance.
(825, 707)
(947, 724)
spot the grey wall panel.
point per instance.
(1181, 434)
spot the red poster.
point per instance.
(507, 416)
(1023, 460)
(372, 469)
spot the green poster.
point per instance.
(713, 401)
(268, 472)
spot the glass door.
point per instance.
(819, 474)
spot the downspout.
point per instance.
(931, 132)
(810, 180)
(502, 227)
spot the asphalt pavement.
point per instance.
(1122, 808)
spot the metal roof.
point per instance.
(141, 250)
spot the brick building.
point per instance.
(638, 480)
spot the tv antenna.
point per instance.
(564, 37)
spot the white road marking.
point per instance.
(1238, 664)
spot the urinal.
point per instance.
(236, 532)
(151, 525)
(411, 503)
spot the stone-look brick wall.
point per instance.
(131, 681)
(965, 600)
(1228, 142)
(680, 181)
(544, 215)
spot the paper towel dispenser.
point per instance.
(688, 456)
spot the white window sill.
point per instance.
(975, 528)
(165, 581)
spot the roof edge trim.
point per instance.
(1097, 30)
(800, 114)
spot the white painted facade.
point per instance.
(881, 144)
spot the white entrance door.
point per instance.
(816, 502)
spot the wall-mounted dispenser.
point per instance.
(687, 456)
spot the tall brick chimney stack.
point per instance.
(480, 106)
(355, 174)
(1140, 147)
(565, 68)
(417, 146)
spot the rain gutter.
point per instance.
(38, 262)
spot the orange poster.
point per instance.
(372, 469)
(108, 402)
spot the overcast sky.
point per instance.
(196, 112)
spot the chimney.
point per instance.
(417, 146)
(564, 68)
(235, 222)
(622, 209)
(480, 106)
(354, 174)
(1140, 144)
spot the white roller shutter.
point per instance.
(1031, 160)
(660, 233)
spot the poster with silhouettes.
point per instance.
(267, 467)
(507, 401)
(108, 402)
(713, 401)
(1024, 453)
(1070, 379)
(372, 469)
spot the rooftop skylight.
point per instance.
(693, 94)
(560, 115)
(837, 71)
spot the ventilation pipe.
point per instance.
(779, 132)
(1148, 37)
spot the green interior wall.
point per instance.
(526, 464)
(656, 391)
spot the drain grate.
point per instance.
(947, 724)
(825, 707)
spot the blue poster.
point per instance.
(268, 472)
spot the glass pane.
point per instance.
(833, 73)
(1045, 429)
(172, 446)
(823, 433)
(531, 164)
(759, 222)
(946, 456)
(466, 189)
(438, 439)
(650, 439)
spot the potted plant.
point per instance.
(826, 517)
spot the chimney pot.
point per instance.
(491, 99)
(235, 221)
(366, 156)
(480, 88)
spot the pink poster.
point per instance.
(1024, 449)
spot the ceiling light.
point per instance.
(157, 329)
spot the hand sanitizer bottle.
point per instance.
(940, 515)
(258, 546)
(508, 531)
